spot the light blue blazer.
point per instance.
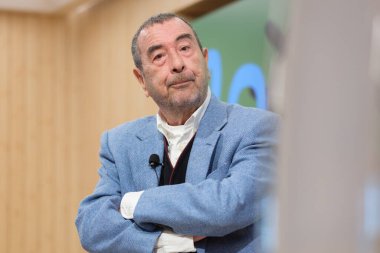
(229, 171)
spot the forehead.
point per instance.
(161, 34)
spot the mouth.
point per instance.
(180, 84)
(180, 81)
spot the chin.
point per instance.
(194, 101)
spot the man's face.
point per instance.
(174, 68)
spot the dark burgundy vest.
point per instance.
(177, 174)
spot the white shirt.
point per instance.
(178, 137)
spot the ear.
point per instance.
(205, 56)
(205, 53)
(140, 78)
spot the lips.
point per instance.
(180, 79)
(180, 84)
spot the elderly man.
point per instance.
(189, 179)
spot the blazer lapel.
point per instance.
(149, 141)
(205, 141)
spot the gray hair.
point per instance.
(157, 19)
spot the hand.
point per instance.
(198, 238)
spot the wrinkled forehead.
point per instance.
(163, 33)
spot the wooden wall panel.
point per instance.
(32, 90)
(31, 73)
(16, 135)
(4, 148)
(63, 81)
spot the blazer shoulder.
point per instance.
(252, 123)
(238, 113)
(134, 127)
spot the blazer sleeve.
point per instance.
(100, 225)
(218, 205)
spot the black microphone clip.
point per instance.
(154, 161)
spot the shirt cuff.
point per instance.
(128, 204)
(169, 242)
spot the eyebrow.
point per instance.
(153, 48)
(184, 36)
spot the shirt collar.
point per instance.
(191, 123)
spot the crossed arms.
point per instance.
(226, 201)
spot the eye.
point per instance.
(157, 57)
(185, 48)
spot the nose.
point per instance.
(177, 63)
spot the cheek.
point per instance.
(156, 77)
(200, 67)
(155, 84)
(202, 71)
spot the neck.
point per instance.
(176, 118)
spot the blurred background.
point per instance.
(66, 76)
